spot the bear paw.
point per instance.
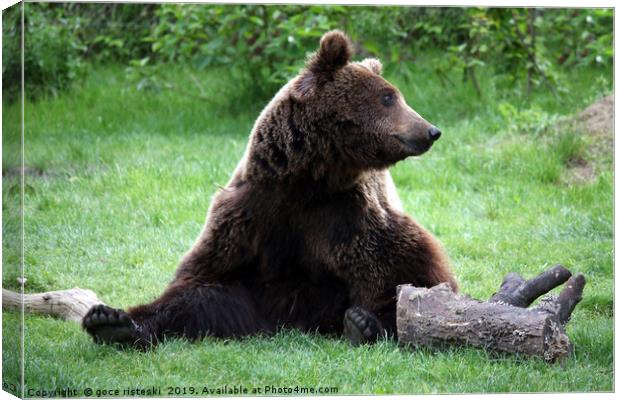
(109, 325)
(361, 326)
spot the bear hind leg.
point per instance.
(109, 325)
(189, 311)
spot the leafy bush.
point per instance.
(530, 44)
(264, 45)
(51, 55)
(60, 38)
(579, 37)
(111, 32)
(11, 51)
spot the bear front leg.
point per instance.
(361, 326)
(418, 257)
(408, 254)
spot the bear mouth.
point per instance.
(413, 146)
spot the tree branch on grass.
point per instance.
(438, 316)
(70, 304)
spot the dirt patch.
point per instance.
(596, 121)
(598, 118)
(579, 171)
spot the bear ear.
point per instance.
(372, 64)
(334, 52)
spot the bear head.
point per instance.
(336, 117)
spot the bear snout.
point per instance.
(434, 133)
(418, 139)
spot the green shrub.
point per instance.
(11, 52)
(263, 45)
(52, 55)
(111, 32)
(62, 38)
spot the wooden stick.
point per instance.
(564, 304)
(70, 304)
(521, 293)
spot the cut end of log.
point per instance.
(556, 344)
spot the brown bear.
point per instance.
(309, 233)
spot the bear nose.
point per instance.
(434, 133)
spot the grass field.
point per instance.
(123, 180)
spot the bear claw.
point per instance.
(361, 326)
(109, 325)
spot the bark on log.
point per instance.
(436, 316)
(70, 304)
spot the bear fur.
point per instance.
(309, 232)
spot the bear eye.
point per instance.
(387, 99)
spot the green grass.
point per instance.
(127, 178)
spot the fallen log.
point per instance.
(70, 304)
(438, 316)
